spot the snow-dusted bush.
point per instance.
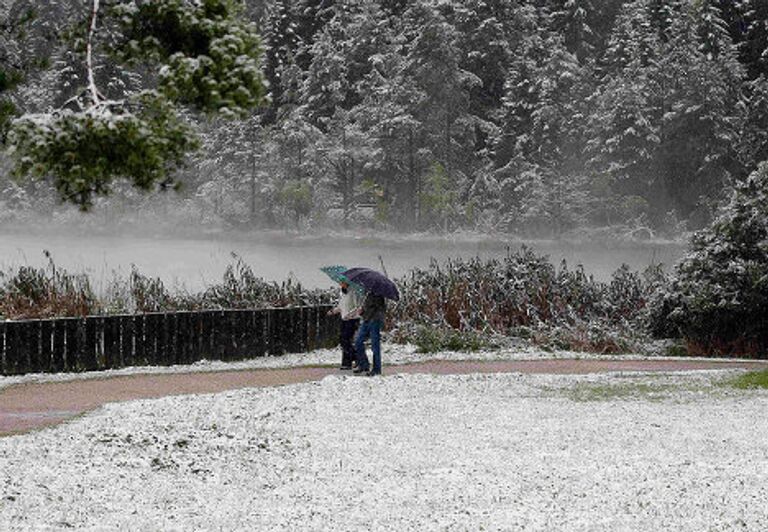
(524, 294)
(27, 292)
(433, 339)
(718, 298)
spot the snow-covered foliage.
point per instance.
(525, 295)
(210, 59)
(142, 141)
(718, 298)
(27, 292)
(550, 118)
(210, 55)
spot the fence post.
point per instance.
(294, 330)
(329, 328)
(207, 335)
(112, 340)
(127, 333)
(3, 371)
(91, 348)
(275, 331)
(258, 324)
(152, 329)
(139, 341)
(46, 346)
(58, 347)
(221, 328)
(32, 341)
(183, 338)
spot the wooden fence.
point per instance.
(107, 342)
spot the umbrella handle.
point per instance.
(383, 269)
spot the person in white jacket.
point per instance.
(348, 308)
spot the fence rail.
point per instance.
(108, 342)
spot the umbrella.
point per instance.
(336, 273)
(373, 281)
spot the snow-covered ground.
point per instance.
(616, 452)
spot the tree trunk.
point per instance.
(413, 181)
(253, 191)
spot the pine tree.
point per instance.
(571, 19)
(720, 289)
(753, 147)
(325, 88)
(388, 115)
(432, 60)
(282, 44)
(754, 47)
(311, 17)
(553, 156)
(208, 59)
(668, 108)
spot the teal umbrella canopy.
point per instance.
(336, 273)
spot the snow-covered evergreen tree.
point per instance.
(209, 60)
(753, 145)
(571, 19)
(754, 44)
(720, 291)
(668, 110)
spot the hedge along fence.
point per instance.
(161, 339)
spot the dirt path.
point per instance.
(27, 407)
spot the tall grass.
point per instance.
(27, 292)
(523, 294)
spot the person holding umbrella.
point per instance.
(378, 288)
(348, 307)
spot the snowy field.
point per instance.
(641, 452)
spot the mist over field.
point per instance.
(195, 263)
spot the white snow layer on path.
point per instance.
(615, 452)
(392, 354)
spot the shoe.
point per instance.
(360, 371)
(345, 368)
(372, 373)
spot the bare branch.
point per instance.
(89, 53)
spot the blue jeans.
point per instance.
(370, 329)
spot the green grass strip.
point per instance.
(751, 380)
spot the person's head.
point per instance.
(344, 286)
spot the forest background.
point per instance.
(541, 119)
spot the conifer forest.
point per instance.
(538, 118)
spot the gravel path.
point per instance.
(27, 407)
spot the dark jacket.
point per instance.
(374, 307)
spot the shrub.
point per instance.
(431, 339)
(29, 293)
(718, 297)
(521, 290)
